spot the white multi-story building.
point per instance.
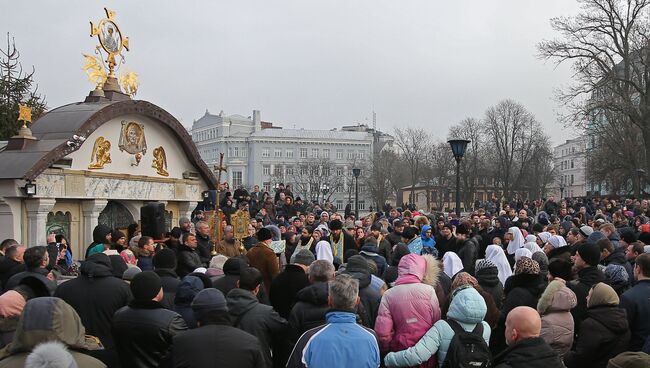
(258, 153)
(571, 168)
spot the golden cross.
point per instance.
(24, 114)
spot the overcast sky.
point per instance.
(312, 64)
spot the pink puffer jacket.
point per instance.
(409, 309)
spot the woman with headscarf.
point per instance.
(556, 247)
(532, 245)
(522, 252)
(324, 251)
(495, 254)
(515, 240)
(451, 264)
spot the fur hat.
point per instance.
(264, 234)
(336, 225)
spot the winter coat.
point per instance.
(488, 279)
(203, 249)
(555, 306)
(231, 270)
(635, 302)
(284, 288)
(143, 333)
(603, 335)
(427, 242)
(170, 282)
(187, 290)
(410, 308)
(371, 253)
(532, 352)
(357, 267)
(220, 346)
(8, 268)
(385, 249)
(60, 324)
(587, 278)
(468, 253)
(257, 319)
(264, 259)
(96, 295)
(467, 308)
(309, 310)
(187, 260)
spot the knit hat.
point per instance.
(629, 359)
(375, 226)
(130, 273)
(589, 252)
(560, 268)
(586, 231)
(117, 235)
(526, 266)
(264, 234)
(462, 229)
(617, 274)
(99, 233)
(145, 286)
(463, 278)
(336, 225)
(208, 301)
(483, 264)
(602, 294)
(165, 258)
(218, 261)
(304, 257)
(52, 354)
(183, 220)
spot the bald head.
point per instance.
(522, 323)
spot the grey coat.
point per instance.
(555, 306)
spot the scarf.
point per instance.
(307, 246)
(337, 247)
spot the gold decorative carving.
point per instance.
(132, 138)
(160, 161)
(100, 154)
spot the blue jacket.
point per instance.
(415, 246)
(635, 303)
(429, 242)
(467, 308)
(339, 343)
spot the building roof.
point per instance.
(324, 135)
(208, 120)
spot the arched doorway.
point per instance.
(116, 216)
(59, 223)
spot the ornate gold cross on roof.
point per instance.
(110, 39)
(24, 114)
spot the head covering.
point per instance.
(557, 241)
(541, 259)
(526, 266)
(145, 286)
(522, 252)
(130, 273)
(128, 257)
(483, 264)
(324, 251)
(617, 274)
(304, 257)
(495, 254)
(544, 236)
(451, 264)
(590, 253)
(323, 230)
(51, 354)
(183, 220)
(99, 234)
(218, 261)
(117, 235)
(208, 301)
(187, 290)
(11, 304)
(532, 246)
(264, 234)
(561, 268)
(517, 240)
(463, 278)
(586, 231)
(595, 236)
(530, 238)
(134, 241)
(630, 359)
(165, 258)
(337, 225)
(602, 294)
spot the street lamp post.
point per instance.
(458, 147)
(325, 189)
(561, 191)
(640, 173)
(356, 172)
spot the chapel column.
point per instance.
(90, 210)
(37, 210)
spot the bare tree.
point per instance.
(411, 143)
(382, 173)
(607, 44)
(310, 176)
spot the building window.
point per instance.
(266, 170)
(362, 205)
(339, 204)
(236, 179)
(326, 171)
(267, 186)
(350, 155)
(289, 153)
(277, 171)
(326, 153)
(572, 164)
(339, 154)
(571, 179)
(314, 153)
(277, 153)
(304, 170)
(303, 153)
(339, 171)
(235, 152)
(289, 170)
(362, 188)
(266, 152)
(361, 155)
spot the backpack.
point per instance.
(467, 349)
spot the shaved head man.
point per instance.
(525, 348)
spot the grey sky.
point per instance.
(315, 64)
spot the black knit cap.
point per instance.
(145, 286)
(560, 268)
(264, 234)
(590, 253)
(165, 258)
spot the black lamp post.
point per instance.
(325, 189)
(356, 172)
(458, 147)
(561, 191)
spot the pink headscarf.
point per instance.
(11, 304)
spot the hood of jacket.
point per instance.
(590, 276)
(47, 319)
(616, 257)
(357, 267)
(187, 290)
(315, 294)
(533, 283)
(411, 269)
(433, 270)
(99, 234)
(233, 266)
(488, 276)
(467, 306)
(97, 265)
(241, 301)
(556, 298)
(612, 317)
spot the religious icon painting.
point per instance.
(132, 138)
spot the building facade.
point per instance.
(317, 163)
(570, 164)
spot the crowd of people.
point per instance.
(540, 284)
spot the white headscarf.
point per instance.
(530, 238)
(532, 246)
(557, 241)
(324, 251)
(523, 252)
(517, 240)
(451, 264)
(495, 254)
(544, 236)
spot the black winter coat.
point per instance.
(8, 268)
(468, 252)
(220, 346)
(143, 333)
(170, 283)
(370, 298)
(188, 260)
(488, 279)
(587, 278)
(309, 310)
(96, 295)
(635, 302)
(528, 353)
(284, 288)
(603, 335)
(204, 249)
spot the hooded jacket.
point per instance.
(410, 308)
(467, 308)
(488, 279)
(309, 310)
(49, 319)
(371, 252)
(428, 242)
(357, 267)
(555, 306)
(187, 290)
(587, 277)
(96, 295)
(257, 319)
(99, 237)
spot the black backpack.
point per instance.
(467, 349)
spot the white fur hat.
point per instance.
(52, 354)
